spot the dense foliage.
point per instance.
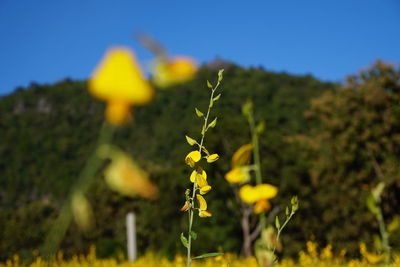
(47, 132)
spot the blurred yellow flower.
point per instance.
(371, 257)
(202, 206)
(238, 175)
(242, 156)
(258, 194)
(171, 72)
(118, 80)
(124, 176)
(192, 158)
(252, 194)
(261, 206)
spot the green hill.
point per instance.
(47, 132)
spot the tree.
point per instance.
(354, 144)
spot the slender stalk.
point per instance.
(256, 156)
(191, 210)
(283, 226)
(384, 234)
(85, 179)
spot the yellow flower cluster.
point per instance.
(310, 257)
(240, 174)
(199, 177)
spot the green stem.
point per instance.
(283, 226)
(85, 179)
(384, 235)
(191, 210)
(256, 156)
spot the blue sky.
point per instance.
(48, 40)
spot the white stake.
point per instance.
(131, 236)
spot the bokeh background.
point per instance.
(325, 133)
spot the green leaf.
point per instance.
(207, 255)
(193, 234)
(198, 113)
(209, 85)
(293, 200)
(394, 224)
(216, 98)
(260, 127)
(287, 211)
(211, 103)
(203, 130)
(212, 124)
(247, 108)
(184, 241)
(377, 191)
(190, 141)
(371, 204)
(295, 204)
(277, 223)
(220, 76)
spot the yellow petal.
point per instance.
(251, 194)
(212, 158)
(119, 78)
(262, 205)
(205, 189)
(238, 175)
(266, 191)
(204, 213)
(192, 158)
(186, 206)
(198, 171)
(202, 202)
(242, 156)
(248, 194)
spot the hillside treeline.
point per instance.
(329, 144)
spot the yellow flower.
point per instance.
(202, 202)
(118, 81)
(212, 158)
(266, 191)
(204, 213)
(124, 176)
(200, 176)
(170, 72)
(258, 194)
(202, 206)
(261, 206)
(242, 156)
(205, 189)
(186, 206)
(238, 175)
(198, 172)
(371, 257)
(192, 158)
